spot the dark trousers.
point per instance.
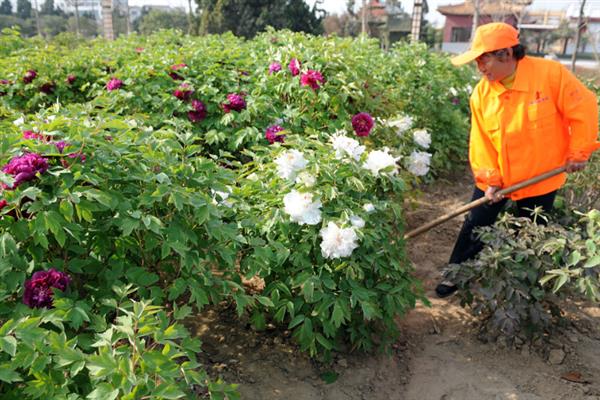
(467, 244)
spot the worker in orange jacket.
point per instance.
(528, 116)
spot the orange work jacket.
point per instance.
(545, 119)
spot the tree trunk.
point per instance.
(190, 18)
(475, 18)
(37, 18)
(107, 21)
(577, 36)
(128, 20)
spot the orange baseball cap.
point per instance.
(488, 37)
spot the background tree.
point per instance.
(155, 20)
(247, 18)
(6, 7)
(48, 8)
(24, 9)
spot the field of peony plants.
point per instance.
(145, 178)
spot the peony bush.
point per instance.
(145, 178)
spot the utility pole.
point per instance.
(580, 25)
(77, 28)
(475, 18)
(107, 21)
(417, 19)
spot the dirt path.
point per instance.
(438, 357)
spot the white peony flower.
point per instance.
(338, 242)
(422, 138)
(453, 91)
(357, 222)
(289, 163)
(403, 124)
(346, 146)
(418, 163)
(252, 177)
(369, 207)
(19, 121)
(380, 159)
(306, 179)
(301, 208)
(220, 198)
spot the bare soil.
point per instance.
(439, 355)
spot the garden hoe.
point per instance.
(481, 201)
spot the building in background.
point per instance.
(459, 20)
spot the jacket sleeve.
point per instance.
(579, 107)
(482, 154)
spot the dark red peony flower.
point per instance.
(38, 290)
(183, 92)
(29, 76)
(198, 113)
(272, 136)
(24, 168)
(71, 79)
(48, 87)
(362, 123)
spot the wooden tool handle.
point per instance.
(481, 201)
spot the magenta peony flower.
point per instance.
(312, 78)
(30, 135)
(183, 92)
(29, 76)
(114, 84)
(24, 168)
(294, 66)
(48, 87)
(71, 79)
(78, 154)
(60, 146)
(272, 136)
(199, 112)
(362, 123)
(235, 102)
(38, 290)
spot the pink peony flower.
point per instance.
(114, 84)
(71, 79)
(24, 168)
(235, 102)
(174, 75)
(199, 112)
(38, 290)
(311, 78)
(139, 50)
(183, 92)
(48, 87)
(272, 136)
(274, 67)
(362, 123)
(29, 76)
(294, 66)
